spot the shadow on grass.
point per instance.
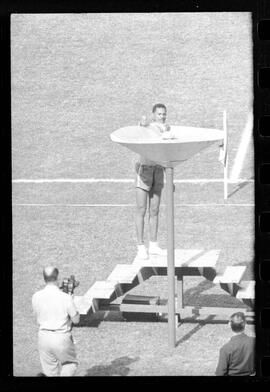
(239, 187)
(90, 321)
(194, 292)
(118, 367)
(193, 296)
(93, 320)
(200, 324)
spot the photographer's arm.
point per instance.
(76, 318)
(73, 312)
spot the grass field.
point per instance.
(75, 79)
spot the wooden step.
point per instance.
(181, 256)
(247, 291)
(124, 273)
(82, 304)
(193, 258)
(206, 259)
(101, 290)
(152, 261)
(232, 274)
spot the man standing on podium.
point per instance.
(149, 183)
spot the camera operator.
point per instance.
(55, 312)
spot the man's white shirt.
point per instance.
(53, 309)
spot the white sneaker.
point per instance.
(154, 249)
(142, 252)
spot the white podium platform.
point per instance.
(188, 262)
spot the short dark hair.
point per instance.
(50, 274)
(158, 105)
(238, 322)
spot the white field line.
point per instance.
(242, 150)
(121, 180)
(133, 205)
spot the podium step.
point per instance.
(188, 262)
(101, 290)
(140, 300)
(247, 291)
(206, 259)
(82, 304)
(197, 258)
(231, 275)
(124, 273)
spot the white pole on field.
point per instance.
(225, 148)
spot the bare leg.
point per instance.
(154, 203)
(141, 201)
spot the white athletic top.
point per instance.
(53, 309)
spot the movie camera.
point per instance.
(69, 284)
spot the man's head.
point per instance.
(159, 112)
(50, 274)
(238, 322)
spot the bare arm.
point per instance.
(143, 122)
(73, 312)
(76, 319)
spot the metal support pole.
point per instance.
(170, 256)
(180, 292)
